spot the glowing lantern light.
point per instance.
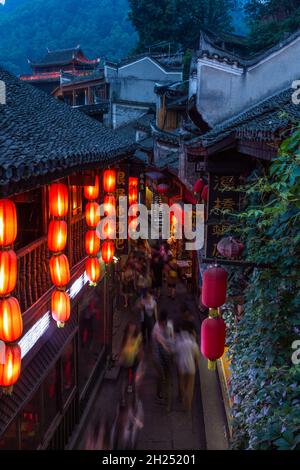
(133, 224)
(11, 324)
(93, 270)
(109, 205)
(133, 182)
(108, 230)
(133, 195)
(8, 222)
(59, 270)
(92, 243)
(108, 251)
(60, 307)
(91, 193)
(109, 181)
(57, 236)
(213, 334)
(11, 370)
(58, 200)
(92, 214)
(214, 287)
(8, 271)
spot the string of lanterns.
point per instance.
(133, 193)
(11, 323)
(213, 328)
(59, 264)
(109, 187)
(92, 241)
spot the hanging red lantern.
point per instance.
(229, 247)
(8, 222)
(92, 243)
(204, 194)
(11, 324)
(162, 188)
(108, 230)
(91, 193)
(92, 214)
(93, 270)
(11, 370)
(213, 334)
(8, 271)
(214, 287)
(133, 182)
(108, 251)
(109, 205)
(59, 270)
(109, 181)
(133, 195)
(132, 224)
(57, 235)
(198, 186)
(60, 307)
(58, 200)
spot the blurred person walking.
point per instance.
(149, 315)
(130, 356)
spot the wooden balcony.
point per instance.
(33, 265)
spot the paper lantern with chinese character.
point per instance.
(204, 194)
(213, 334)
(109, 205)
(11, 324)
(8, 222)
(57, 235)
(92, 214)
(133, 195)
(60, 307)
(59, 270)
(109, 181)
(91, 193)
(92, 243)
(229, 247)
(199, 185)
(214, 287)
(8, 271)
(108, 251)
(11, 370)
(93, 269)
(58, 200)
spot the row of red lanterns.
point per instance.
(213, 328)
(109, 187)
(92, 241)
(11, 323)
(59, 264)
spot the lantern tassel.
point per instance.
(7, 390)
(211, 365)
(60, 324)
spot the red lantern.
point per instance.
(8, 271)
(133, 182)
(108, 230)
(214, 287)
(108, 251)
(8, 222)
(11, 370)
(93, 269)
(58, 200)
(213, 334)
(92, 214)
(109, 181)
(59, 270)
(91, 193)
(92, 243)
(162, 188)
(204, 194)
(57, 236)
(132, 224)
(60, 307)
(11, 324)
(109, 205)
(199, 185)
(229, 247)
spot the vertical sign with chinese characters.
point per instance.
(121, 190)
(222, 197)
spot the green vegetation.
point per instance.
(271, 20)
(265, 381)
(27, 27)
(178, 21)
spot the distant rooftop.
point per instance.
(64, 56)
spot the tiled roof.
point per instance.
(41, 135)
(265, 122)
(62, 56)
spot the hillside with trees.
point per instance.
(27, 27)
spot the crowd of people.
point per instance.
(152, 335)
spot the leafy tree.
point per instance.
(178, 21)
(265, 381)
